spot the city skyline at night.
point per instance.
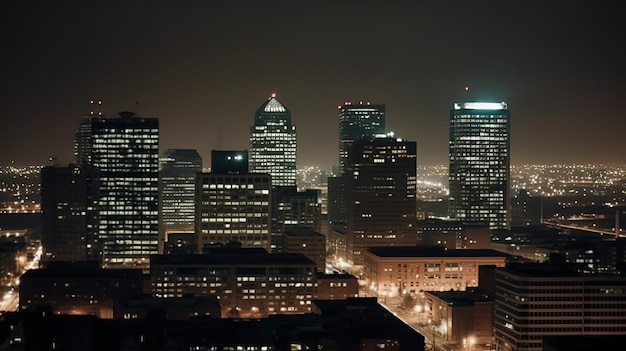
(201, 68)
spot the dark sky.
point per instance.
(204, 67)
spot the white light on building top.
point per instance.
(480, 106)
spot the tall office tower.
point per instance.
(480, 163)
(273, 143)
(232, 204)
(294, 210)
(380, 195)
(177, 192)
(64, 215)
(358, 121)
(122, 160)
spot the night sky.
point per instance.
(204, 67)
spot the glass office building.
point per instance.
(479, 163)
(358, 121)
(273, 143)
(123, 163)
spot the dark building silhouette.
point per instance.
(78, 288)
(348, 325)
(356, 121)
(308, 242)
(294, 210)
(454, 234)
(380, 190)
(64, 202)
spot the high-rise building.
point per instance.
(480, 163)
(121, 156)
(358, 121)
(177, 192)
(380, 194)
(232, 204)
(273, 143)
(292, 210)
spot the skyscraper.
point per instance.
(177, 192)
(121, 158)
(357, 121)
(380, 194)
(479, 163)
(232, 204)
(273, 143)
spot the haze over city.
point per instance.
(203, 68)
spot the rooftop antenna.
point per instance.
(137, 107)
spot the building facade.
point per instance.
(395, 271)
(538, 300)
(380, 195)
(64, 215)
(479, 170)
(233, 206)
(177, 192)
(122, 163)
(310, 243)
(294, 210)
(273, 143)
(248, 282)
(358, 121)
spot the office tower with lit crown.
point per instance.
(479, 163)
(177, 192)
(273, 143)
(380, 194)
(121, 155)
(232, 204)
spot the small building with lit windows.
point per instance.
(392, 271)
(249, 282)
(336, 286)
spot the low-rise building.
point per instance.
(249, 282)
(334, 286)
(396, 270)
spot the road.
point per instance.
(11, 299)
